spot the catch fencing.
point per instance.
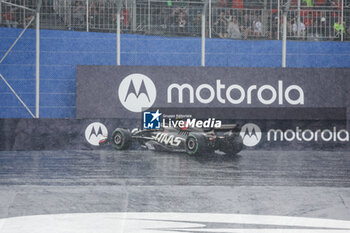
(183, 18)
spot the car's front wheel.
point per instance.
(121, 139)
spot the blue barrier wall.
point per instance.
(61, 51)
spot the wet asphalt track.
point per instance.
(249, 168)
(285, 183)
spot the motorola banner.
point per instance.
(58, 134)
(71, 134)
(124, 92)
(299, 135)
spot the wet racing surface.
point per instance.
(137, 167)
(281, 183)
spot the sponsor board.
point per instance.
(58, 134)
(71, 134)
(252, 135)
(224, 93)
(137, 92)
(124, 92)
(308, 135)
(95, 132)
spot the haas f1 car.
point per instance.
(193, 141)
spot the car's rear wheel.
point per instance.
(232, 144)
(121, 139)
(197, 144)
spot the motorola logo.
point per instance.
(95, 132)
(137, 92)
(251, 134)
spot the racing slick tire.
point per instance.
(121, 139)
(197, 144)
(232, 144)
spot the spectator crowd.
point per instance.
(233, 19)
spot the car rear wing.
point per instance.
(225, 127)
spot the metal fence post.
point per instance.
(118, 38)
(271, 21)
(120, 5)
(264, 18)
(278, 20)
(203, 32)
(87, 15)
(210, 18)
(149, 15)
(342, 20)
(134, 16)
(24, 11)
(284, 41)
(299, 23)
(37, 65)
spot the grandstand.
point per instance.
(157, 32)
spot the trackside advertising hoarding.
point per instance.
(126, 91)
(275, 108)
(81, 134)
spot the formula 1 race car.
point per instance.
(193, 141)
